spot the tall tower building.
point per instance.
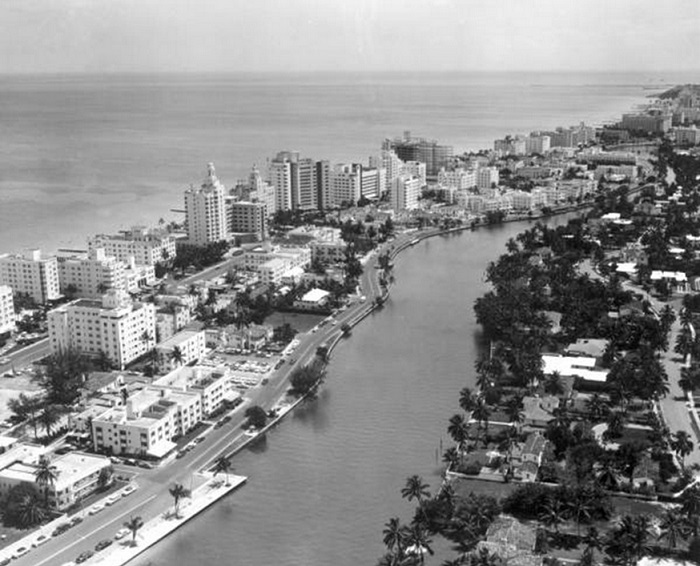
(262, 191)
(205, 209)
(294, 180)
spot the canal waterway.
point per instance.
(323, 484)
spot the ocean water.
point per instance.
(84, 154)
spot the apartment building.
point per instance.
(656, 123)
(147, 246)
(328, 246)
(32, 274)
(487, 177)
(459, 178)
(148, 422)
(249, 218)
(390, 162)
(124, 330)
(212, 385)
(205, 210)
(299, 182)
(77, 476)
(345, 184)
(405, 192)
(90, 275)
(261, 191)
(7, 310)
(408, 148)
(190, 343)
(373, 181)
(414, 169)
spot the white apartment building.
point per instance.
(345, 184)
(521, 200)
(7, 310)
(486, 177)
(77, 476)
(405, 192)
(205, 210)
(138, 276)
(414, 169)
(373, 182)
(91, 275)
(212, 385)
(190, 343)
(31, 274)
(122, 329)
(537, 144)
(146, 246)
(261, 191)
(390, 162)
(689, 136)
(459, 178)
(295, 257)
(147, 424)
(170, 319)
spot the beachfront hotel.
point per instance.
(90, 275)
(248, 218)
(7, 310)
(426, 151)
(206, 211)
(32, 274)
(146, 245)
(115, 325)
(77, 476)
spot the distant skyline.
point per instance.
(146, 36)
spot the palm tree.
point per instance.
(134, 524)
(31, 511)
(45, 476)
(394, 537)
(223, 465)
(682, 445)
(415, 489)
(418, 542)
(49, 416)
(673, 527)
(481, 414)
(607, 475)
(580, 508)
(177, 356)
(553, 513)
(458, 429)
(178, 492)
(593, 541)
(451, 457)
(467, 400)
(553, 384)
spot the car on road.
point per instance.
(129, 489)
(116, 460)
(112, 499)
(60, 529)
(41, 539)
(75, 521)
(121, 533)
(146, 465)
(4, 361)
(292, 361)
(84, 556)
(21, 551)
(96, 508)
(103, 544)
(129, 462)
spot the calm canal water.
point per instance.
(324, 483)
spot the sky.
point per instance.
(145, 36)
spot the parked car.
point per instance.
(84, 556)
(96, 508)
(129, 489)
(112, 499)
(76, 521)
(102, 544)
(60, 529)
(21, 551)
(41, 539)
(146, 465)
(121, 533)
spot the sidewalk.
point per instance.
(158, 528)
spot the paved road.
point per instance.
(27, 355)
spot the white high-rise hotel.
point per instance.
(122, 329)
(205, 209)
(32, 274)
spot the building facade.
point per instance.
(121, 329)
(146, 246)
(205, 210)
(191, 345)
(32, 274)
(249, 218)
(7, 309)
(92, 275)
(405, 192)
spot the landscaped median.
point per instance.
(161, 526)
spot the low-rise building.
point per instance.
(210, 384)
(182, 348)
(315, 299)
(32, 274)
(77, 476)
